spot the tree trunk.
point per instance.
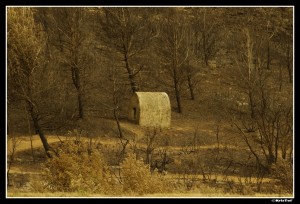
(189, 79)
(33, 111)
(283, 153)
(131, 75)
(280, 78)
(178, 97)
(205, 50)
(251, 104)
(77, 84)
(118, 124)
(289, 64)
(79, 91)
(175, 75)
(276, 143)
(177, 90)
(34, 116)
(29, 131)
(191, 88)
(204, 40)
(80, 104)
(121, 138)
(271, 157)
(43, 139)
(268, 55)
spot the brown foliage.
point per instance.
(78, 168)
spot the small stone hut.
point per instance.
(150, 109)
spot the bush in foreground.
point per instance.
(138, 179)
(78, 169)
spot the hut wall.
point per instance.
(150, 109)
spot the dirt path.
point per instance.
(177, 130)
(178, 125)
(23, 142)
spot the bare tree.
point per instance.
(13, 142)
(270, 114)
(189, 68)
(175, 48)
(151, 137)
(116, 90)
(116, 96)
(269, 31)
(248, 71)
(288, 60)
(206, 26)
(128, 33)
(69, 24)
(25, 46)
(286, 39)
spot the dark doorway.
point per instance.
(134, 113)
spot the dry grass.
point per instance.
(212, 194)
(179, 134)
